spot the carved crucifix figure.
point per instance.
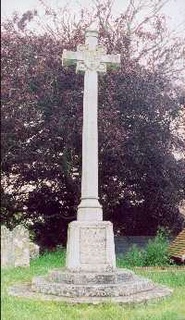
(90, 58)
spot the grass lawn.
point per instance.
(13, 308)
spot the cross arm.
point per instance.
(69, 58)
(112, 60)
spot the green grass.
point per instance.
(13, 308)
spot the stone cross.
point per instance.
(90, 275)
(90, 58)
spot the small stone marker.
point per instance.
(7, 259)
(34, 250)
(21, 246)
(16, 248)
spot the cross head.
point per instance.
(90, 56)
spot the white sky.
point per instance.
(174, 9)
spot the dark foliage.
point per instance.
(141, 182)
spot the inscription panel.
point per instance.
(93, 245)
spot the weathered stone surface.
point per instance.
(101, 288)
(63, 276)
(90, 246)
(7, 257)
(34, 250)
(91, 59)
(16, 248)
(21, 246)
(25, 291)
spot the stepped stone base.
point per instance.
(90, 275)
(89, 278)
(121, 286)
(89, 285)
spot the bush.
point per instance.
(134, 258)
(155, 253)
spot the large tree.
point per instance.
(141, 182)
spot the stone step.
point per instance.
(129, 287)
(64, 276)
(25, 291)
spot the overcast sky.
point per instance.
(174, 9)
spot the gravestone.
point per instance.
(34, 250)
(16, 248)
(21, 241)
(90, 275)
(7, 258)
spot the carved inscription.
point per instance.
(93, 245)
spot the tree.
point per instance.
(140, 179)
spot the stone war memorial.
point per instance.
(90, 274)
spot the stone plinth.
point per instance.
(90, 246)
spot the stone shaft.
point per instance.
(90, 208)
(90, 58)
